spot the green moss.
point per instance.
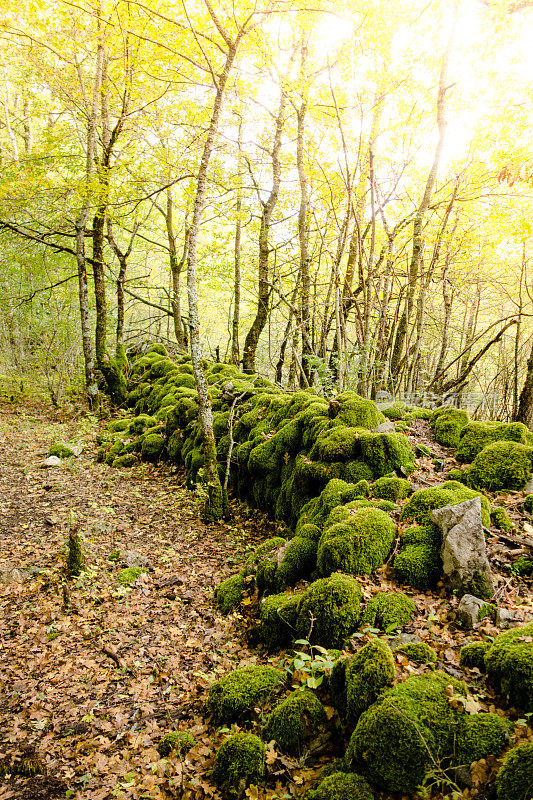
(421, 503)
(515, 778)
(418, 565)
(509, 662)
(362, 488)
(239, 762)
(140, 424)
(129, 575)
(310, 531)
(278, 614)
(523, 567)
(294, 721)
(500, 466)
(479, 736)
(447, 424)
(388, 610)
(358, 412)
(528, 503)
(329, 611)
(368, 674)
(339, 443)
(394, 411)
(405, 732)
(341, 786)
(158, 348)
(387, 452)
(175, 741)
(234, 696)
(501, 519)
(417, 652)
(358, 545)
(477, 435)
(298, 561)
(127, 460)
(152, 447)
(114, 451)
(487, 611)
(74, 555)
(228, 593)
(391, 489)
(472, 655)
(418, 413)
(60, 450)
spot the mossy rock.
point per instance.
(341, 786)
(409, 729)
(234, 696)
(329, 611)
(477, 435)
(528, 503)
(447, 424)
(228, 593)
(179, 742)
(419, 565)
(388, 610)
(522, 567)
(158, 348)
(502, 466)
(240, 761)
(278, 614)
(299, 561)
(358, 412)
(125, 461)
(472, 655)
(152, 447)
(481, 735)
(515, 778)
(393, 489)
(128, 575)
(368, 674)
(119, 424)
(114, 451)
(422, 502)
(140, 424)
(501, 519)
(417, 652)
(358, 545)
(60, 450)
(295, 721)
(509, 663)
(387, 452)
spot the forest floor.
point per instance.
(93, 673)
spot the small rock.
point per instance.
(506, 618)
(468, 610)
(464, 554)
(385, 427)
(52, 461)
(10, 575)
(403, 638)
(130, 558)
(528, 488)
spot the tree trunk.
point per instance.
(235, 351)
(305, 379)
(176, 267)
(263, 295)
(525, 403)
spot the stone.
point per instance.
(468, 610)
(10, 575)
(385, 427)
(130, 558)
(52, 461)
(464, 555)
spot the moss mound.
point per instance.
(235, 695)
(228, 593)
(239, 762)
(417, 652)
(473, 655)
(477, 435)
(447, 424)
(500, 466)
(368, 674)
(515, 778)
(398, 737)
(480, 735)
(329, 611)
(175, 741)
(509, 662)
(60, 450)
(294, 721)
(128, 575)
(501, 519)
(388, 610)
(341, 786)
(358, 545)
(391, 489)
(421, 503)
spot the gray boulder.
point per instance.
(464, 555)
(468, 610)
(385, 427)
(131, 558)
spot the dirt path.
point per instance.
(90, 721)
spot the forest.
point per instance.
(266, 400)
